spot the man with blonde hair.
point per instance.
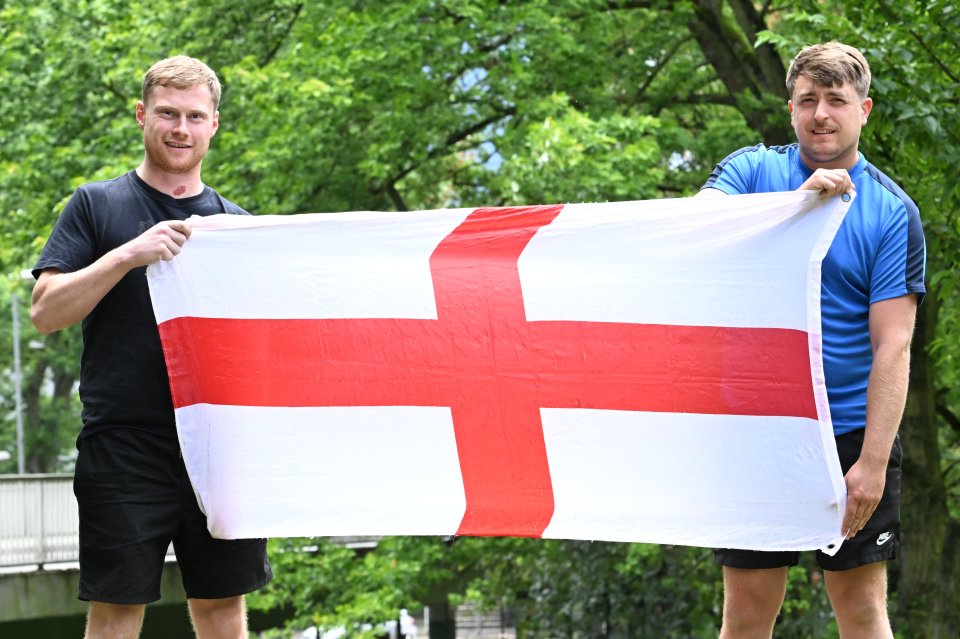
(133, 493)
(872, 282)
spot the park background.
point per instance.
(420, 104)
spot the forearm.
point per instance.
(891, 331)
(63, 299)
(886, 398)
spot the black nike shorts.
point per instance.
(878, 541)
(134, 499)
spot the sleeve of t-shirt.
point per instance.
(72, 244)
(734, 175)
(901, 256)
(232, 208)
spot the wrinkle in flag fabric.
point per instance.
(642, 371)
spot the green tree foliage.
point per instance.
(597, 589)
(49, 402)
(390, 105)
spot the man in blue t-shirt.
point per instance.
(872, 281)
(133, 493)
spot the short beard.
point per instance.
(160, 161)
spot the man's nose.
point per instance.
(821, 113)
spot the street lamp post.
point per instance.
(17, 376)
(23, 276)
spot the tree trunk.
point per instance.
(928, 600)
(44, 414)
(754, 77)
(36, 438)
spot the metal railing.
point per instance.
(38, 520)
(39, 524)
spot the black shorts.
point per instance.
(134, 498)
(878, 541)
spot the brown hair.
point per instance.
(831, 65)
(181, 72)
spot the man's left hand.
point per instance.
(864, 491)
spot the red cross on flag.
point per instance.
(636, 371)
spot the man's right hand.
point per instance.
(63, 299)
(829, 182)
(163, 241)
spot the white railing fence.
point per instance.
(38, 520)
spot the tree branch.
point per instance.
(661, 63)
(273, 52)
(396, 198)
(451, 140)
(741, 68)
(948, 416)
(707, 98)
(933, 56)
(615, 5)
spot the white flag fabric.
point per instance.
(638, 371)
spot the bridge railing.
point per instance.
(38, 520)
(39, 525)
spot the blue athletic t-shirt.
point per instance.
(877, 254)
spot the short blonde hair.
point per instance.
(181, 72)
(831, 65)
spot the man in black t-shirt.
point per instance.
(132, 489)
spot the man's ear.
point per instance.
(867, 106)
(141, 114)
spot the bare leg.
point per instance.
(113, 621)
(859, 600)
(751, 601)
(219, 618)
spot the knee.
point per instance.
(859, 599)
(113, 621)
(860, 609)
(752, 615)
(217, 610)
(751, 602)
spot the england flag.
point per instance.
(643, 371)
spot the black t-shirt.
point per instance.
(123, 376)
